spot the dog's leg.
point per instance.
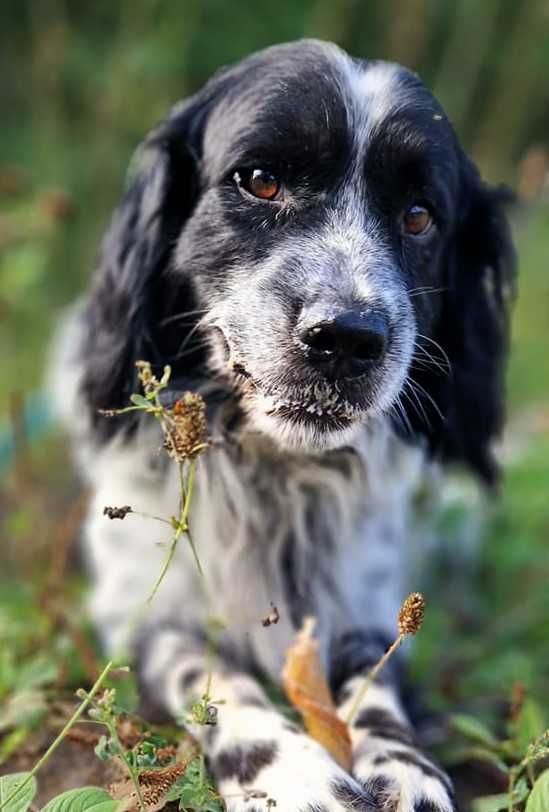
(385, 749)
(254, 752)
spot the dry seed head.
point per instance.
(411, 614)
(117, 512)
(188, 431)
(154, 784)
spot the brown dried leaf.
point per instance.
(308, 691)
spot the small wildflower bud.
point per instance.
(411, 614)
(188, 432)
(117, 512)
(145, 375)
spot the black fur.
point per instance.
(244, 764)
(473, 329)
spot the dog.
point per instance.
(306, 244)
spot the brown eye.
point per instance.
(261, 183)
(417, 220)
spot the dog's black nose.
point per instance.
(349, 344)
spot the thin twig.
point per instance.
(370, 677)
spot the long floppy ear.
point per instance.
(473, 330)
(127, 306)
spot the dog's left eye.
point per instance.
(258, 182)
(417, 220)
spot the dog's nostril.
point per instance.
(321, 339)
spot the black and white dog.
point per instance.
(305, 242)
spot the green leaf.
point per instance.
(539, 797)
(472, 729)
(139, 400)
(521, 790)
(86, 799)
(530, 724)
(23, 799)
(491, 803)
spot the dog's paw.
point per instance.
(296, 777)
(404, 780)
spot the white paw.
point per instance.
(406, 780)
(292, 775)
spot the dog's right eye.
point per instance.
(258, 182)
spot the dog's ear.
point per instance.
(473, 329)
(125, 309)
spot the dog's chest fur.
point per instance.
(323, 535)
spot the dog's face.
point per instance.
(305, 214)
(329, 188)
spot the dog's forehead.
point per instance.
(308, 91)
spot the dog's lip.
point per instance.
(329, 415)
(312, 414)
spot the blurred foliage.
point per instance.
(81, 84)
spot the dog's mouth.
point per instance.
(325, 412)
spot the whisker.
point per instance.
(184, 315)
(416, 403)
(439, 348)
(197, 342)
(419, 291)
(400, 413)
(422, 389)
(431, 360)
(187, 352)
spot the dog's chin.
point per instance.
(297, 428)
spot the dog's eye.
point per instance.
(417, 220)
(259, 183)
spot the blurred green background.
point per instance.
(81, 83)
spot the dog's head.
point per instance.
(307, 229)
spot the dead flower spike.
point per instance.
(117, 512)
(412, 612)
(272, 618)
(188, 433)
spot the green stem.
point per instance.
(149, 516)
(370, 677)
(185, 513)
(511, 790)
(182, 527)
(57, 741)
(111, 727)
